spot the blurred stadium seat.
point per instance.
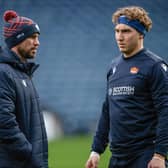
(77, 45)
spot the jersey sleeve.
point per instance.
(159, 89)
(100, 140)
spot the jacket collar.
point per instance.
(9, 57)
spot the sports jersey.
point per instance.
(135, 113)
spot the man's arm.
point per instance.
(159, 89)
(100, 140)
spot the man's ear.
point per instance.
(141, 36)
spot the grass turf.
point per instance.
(72, 152)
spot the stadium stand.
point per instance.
(77, 45)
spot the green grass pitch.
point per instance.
(72, 152)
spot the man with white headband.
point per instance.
(134, 118)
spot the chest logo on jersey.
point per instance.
(24, 83)
(134, 70)
(121, 90)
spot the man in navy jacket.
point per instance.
(23, 140)
(134, 119)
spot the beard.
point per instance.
(26, 54)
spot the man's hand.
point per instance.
(93, 160)
(158, 161)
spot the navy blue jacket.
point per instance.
(23, 141)
(135, 114)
